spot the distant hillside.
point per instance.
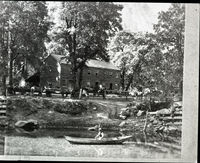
(141, 16)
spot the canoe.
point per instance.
(115, 140)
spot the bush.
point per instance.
(71, 107)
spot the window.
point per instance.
(110, 73)
(111, 86)
(97, 72)
(63, 82)
(50, 68)
(104, 72)
(88, 84)
(117, 75)
(89, 72)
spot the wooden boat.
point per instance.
(115, 140)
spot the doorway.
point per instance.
(111, 85)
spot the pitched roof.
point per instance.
(101, 64)
(89, 63)
(57, 57)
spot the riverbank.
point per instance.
(66, 113)
(59, 113)
(58, 117)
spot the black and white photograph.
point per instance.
(99, 81)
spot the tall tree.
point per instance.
(84, 30)
(26, 27)
(3, 47)
(152, 60)
(170, 36)
(138, 56)
(120, 54)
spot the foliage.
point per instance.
(170, 37)
(84, 30)
(24, 26)
(135, 54)
(152, 60)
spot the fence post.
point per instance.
(80, 93)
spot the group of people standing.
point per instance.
(102, 90)
(98, 90)
(82, 92)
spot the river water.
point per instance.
(51, 142)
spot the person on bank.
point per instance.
(102, 90)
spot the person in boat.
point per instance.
(95, 128)
(100, 135)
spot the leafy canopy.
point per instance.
(152, 60)
(135, 54)
(84, 29)
(24, 26)
(170, 37)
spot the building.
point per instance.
(57, 72)
(99, 72)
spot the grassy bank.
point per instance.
(59, 112)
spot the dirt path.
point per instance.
(114, 106)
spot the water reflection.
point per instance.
(2, 142)
(45, 141)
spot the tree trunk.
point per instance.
(145, 137)
(74, 78)
(4, 85)
(123, 79)
(147, 112)
(74, 59)
(80, 77)
(145, 124)
(11, 51)
(129, 82)
(11, 72)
